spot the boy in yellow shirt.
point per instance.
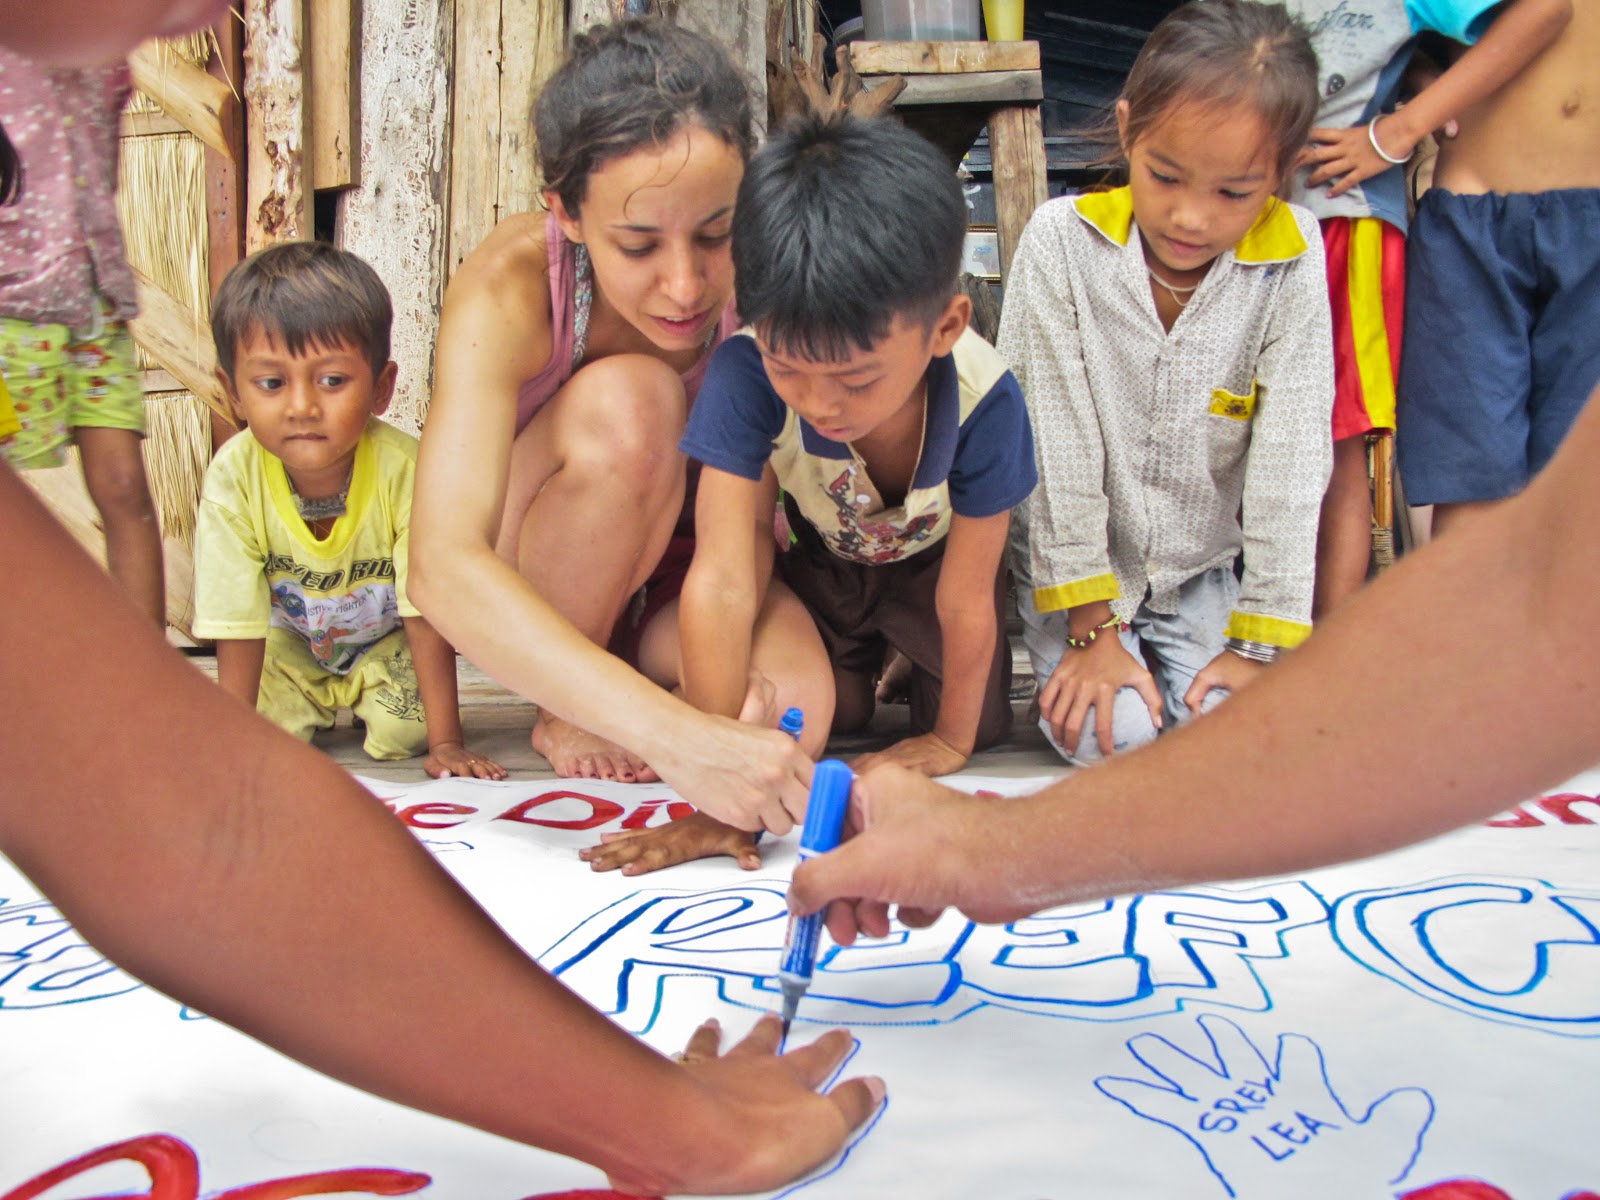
(303, 535)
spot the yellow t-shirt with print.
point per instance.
(9, 425)
(258, 565)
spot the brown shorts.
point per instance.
(862, 610)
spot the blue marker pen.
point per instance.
(793, 722)
(825, 812)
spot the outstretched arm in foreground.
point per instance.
(216, 857)
(1480, 646)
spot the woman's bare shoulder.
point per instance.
(505, 284)
(511, 265)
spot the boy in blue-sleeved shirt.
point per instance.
(898, 437)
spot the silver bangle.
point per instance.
(1372, 136)
(1257, 652)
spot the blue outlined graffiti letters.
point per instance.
(44, 962)
(1519, 951)
(1268, 1130)
(1124, 959)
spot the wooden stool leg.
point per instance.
(1381, 446)
(1016, 146)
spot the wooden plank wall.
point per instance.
(395, 217)
(277, 123)
(504, 51)
(740, 25)
(335, 27)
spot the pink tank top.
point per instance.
(569, 320)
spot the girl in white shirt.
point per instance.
(1173, 342)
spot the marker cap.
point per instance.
(792, 722)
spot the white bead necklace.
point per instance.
(1180, 295)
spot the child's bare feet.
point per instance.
(639, 851)
(578, 754)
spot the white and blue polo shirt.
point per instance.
(976, 457)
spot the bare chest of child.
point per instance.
(1540, 132)
(891, 451)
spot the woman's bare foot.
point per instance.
(578, 754)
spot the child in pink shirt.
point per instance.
(67, 362)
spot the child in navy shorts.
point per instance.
(1355, 184)
(1503, 284)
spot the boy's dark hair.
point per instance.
(840, 227)
(10, 170)
(1224, 52)
(303, 294)
(629, 85)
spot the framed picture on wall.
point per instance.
(981, 253)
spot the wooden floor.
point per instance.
(496, 722)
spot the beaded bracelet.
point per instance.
(1084, 643)
(1256, 652)
(1372, 136)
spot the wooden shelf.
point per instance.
(952, 90)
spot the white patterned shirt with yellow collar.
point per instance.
(1153, 444)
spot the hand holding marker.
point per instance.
(793, 722)
(825, 812)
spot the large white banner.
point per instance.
(1426, 1024)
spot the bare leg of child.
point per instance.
(595, 489)
(855, 700)
(113, 470)
(1344, 539)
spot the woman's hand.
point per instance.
(745, 776)
(768, 1103)
(1092, 677)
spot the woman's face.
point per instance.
(657, 223)
(85, 32)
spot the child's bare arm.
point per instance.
(434, 660)
(722, 595)
(239, 662)
(968, 630)
(725, 586)
(1520, 32)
